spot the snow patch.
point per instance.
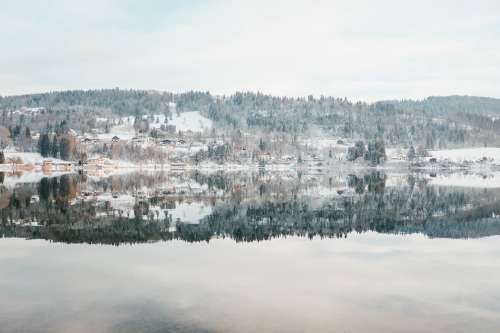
(467, 180)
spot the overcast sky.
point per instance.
(360, 49)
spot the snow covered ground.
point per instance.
(188, 121)
(185, 121)
(467, 154)
(190, 213)
(29, 158)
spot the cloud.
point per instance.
(394, 49)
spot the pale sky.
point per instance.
(358, 49)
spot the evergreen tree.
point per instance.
(54, 149)
(44, 145)
(66, 147)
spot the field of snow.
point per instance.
(188, 121)
(467, 154)
(190, 213)
(185, 121)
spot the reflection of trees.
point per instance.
(251, 213)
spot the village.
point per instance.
(179, 141)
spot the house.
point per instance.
(167, 142)
(399, 156)
(29, 111)
(88, 140)
(140, 139)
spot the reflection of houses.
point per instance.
(66, 166)
(178, 165)
(49, 165)
(99, 163)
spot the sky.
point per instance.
(359, 49)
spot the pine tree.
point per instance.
(66, 147)
(44, 145)
(54, 149)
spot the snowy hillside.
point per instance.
(186, 121)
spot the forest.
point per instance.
(434, 122)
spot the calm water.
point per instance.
(248, 253)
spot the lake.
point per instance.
(368, 251)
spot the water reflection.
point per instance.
(409, 255)
(146, 207)
(368, 282)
